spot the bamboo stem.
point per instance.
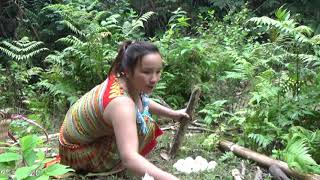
(265, 160)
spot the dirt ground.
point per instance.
(191, 147)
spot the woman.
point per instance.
(111, 126)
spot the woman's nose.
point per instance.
(154, 78)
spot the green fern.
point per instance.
(129, 28)
(260, 139)
(22, 49)
(227, 156)
(296, 154)
(243, 70)
(100, 15)
(284, 27)
(57, 89)
(72, 27)
(305, 30)
(71, 40)
(316, 39)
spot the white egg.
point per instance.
(211, 165)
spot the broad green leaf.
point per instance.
(24, 172)
(29, 142)
(9, 156)
(57, 169)
(3, 177)
(30, 156)
(43, 177)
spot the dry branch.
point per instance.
(194, 98)
(265, 160)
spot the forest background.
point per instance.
(256, 62)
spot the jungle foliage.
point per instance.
(257, 63)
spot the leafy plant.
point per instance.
(214, 112)
(296, 154)
(211, 142)
(20, 67)
(26, 163)
(22, 50)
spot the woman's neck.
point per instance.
(129, 88)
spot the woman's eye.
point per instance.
(146, 72)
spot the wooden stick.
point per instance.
(264, 160)
(194, 98)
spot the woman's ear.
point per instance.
(126, 73)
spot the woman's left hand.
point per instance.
(180, 114)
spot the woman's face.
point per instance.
(147, 73)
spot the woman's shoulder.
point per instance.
(121, 102)
(120, 107)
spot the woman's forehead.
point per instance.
(151, 60)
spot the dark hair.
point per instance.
(129, 53)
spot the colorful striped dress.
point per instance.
(87, 142)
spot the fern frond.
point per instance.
(23, 44)
(266, 21)
(307, 31)
(8, 53)
(23, 50)
(129, 28)
(92, 5)
(57, 89)
(316, 39)
(72, 27)
(296, 154)
(310, 59)
(100, 15)
(31, 54)
(260, 139)
(146, 16)
(55, 58)
(24, 47)
(32, 46)
(77, 52)
(71, 40)
(34, 71)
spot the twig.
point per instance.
(194, 123)
(172, 127)
(18, 116)
(201, 129)
(185, 122)
(243, 168)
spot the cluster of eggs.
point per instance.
(190, 165)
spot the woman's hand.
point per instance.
(180, 114)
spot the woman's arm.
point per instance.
(161, 110)
(121, 112)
